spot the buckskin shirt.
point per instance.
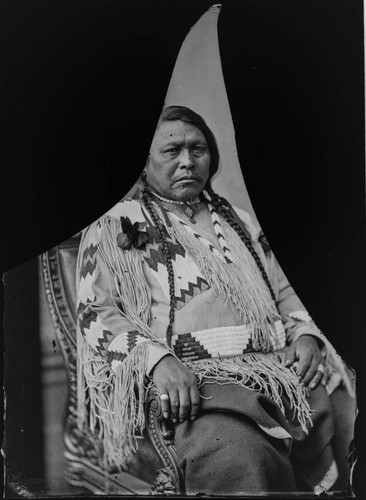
(227, 329)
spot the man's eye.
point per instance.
(171, 150)
(199, 150)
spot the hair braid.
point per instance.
(168, 262)
(223, 208)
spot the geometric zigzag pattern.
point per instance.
(212, 342)
(90, 324)
(192, 291)
(219, 233)
(188, 280)
(123, 344)
(92, 328)
(154, 255)
(203, 240)
(88, 260)
(221, 342)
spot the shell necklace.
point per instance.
(190, 206)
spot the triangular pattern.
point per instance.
(192, 291)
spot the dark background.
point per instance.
(82, 85)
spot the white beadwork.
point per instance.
(189, 205)
(175, 202)
(219, 232)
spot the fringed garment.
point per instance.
(227, 328)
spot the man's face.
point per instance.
(179, 161)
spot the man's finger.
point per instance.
(290, 356)
(174, 405)
(325, 377)
(195, 402)
(313, 368)
(316, 379)
(184, 404)
(304, 363)
(165, 405)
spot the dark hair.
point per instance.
(186, 115)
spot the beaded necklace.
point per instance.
(215, 222)
(189, 209)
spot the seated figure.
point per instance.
(178, 288)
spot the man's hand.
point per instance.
(305, 351)
(171, 377)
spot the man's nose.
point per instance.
(185, 159)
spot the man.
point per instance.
(175, 286)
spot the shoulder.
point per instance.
(252, 225)
(126, 208)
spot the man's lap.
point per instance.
(242, 442)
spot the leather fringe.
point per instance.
(262, 372)
(239, 282)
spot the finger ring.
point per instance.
(164, 397)
(321, 368)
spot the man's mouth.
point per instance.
(188, 178)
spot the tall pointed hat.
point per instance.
(197, 82)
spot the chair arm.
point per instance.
(161, 431)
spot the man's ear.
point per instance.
(143, 176)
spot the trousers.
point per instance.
(242, 443)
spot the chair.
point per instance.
(153, 469)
